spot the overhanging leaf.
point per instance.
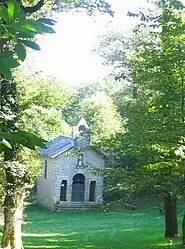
(32, 138)
(12, 32)
(47, 21)
(5, 142)
(31, 44)
(33, 26)
(10, 62)
(6, 35)
(5, 71)
(25, 34)
(2, 29)
(4, 13)
(13, 10)
(20, 51)
(24, 138)
(42, 28)
(5, 54)
(3, 41)
(25, 25)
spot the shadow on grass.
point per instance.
(174, 243)
(65, 241)
(139, 229)
(99, 239)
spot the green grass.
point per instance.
(139, 229)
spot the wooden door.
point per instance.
(78, 188)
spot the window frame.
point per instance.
(92, 191)
(63, 196)
(45, 169)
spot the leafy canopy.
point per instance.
(17, 32)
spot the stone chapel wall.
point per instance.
(65, 168)
(45, 186)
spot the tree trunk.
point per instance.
(183, 230)
(171, 223)
(13, 210)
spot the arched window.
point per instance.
(63, 191)
(78, 188)
(79, 178)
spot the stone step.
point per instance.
(77, 206)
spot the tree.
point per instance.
(16, 32)
(101, 114)
(43, 104)
(90, 6)
(156, 116)
(112, 47)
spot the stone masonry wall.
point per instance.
(64, 168)
(45, 186)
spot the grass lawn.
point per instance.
(139, 229)
(126, 229)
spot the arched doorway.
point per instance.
(78, 188)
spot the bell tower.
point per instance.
(81, 134)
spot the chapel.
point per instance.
(68, 165)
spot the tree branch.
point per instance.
(33, 9)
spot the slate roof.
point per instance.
(57, 146)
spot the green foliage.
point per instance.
(43, 104)
(106, 124)
(32, 45)
(89, 6)
(24, 138)
(17, 32)
(16, 28)
(155, 125)
(5, 143)
(151, 106)
(20, 51)
(112, 46)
